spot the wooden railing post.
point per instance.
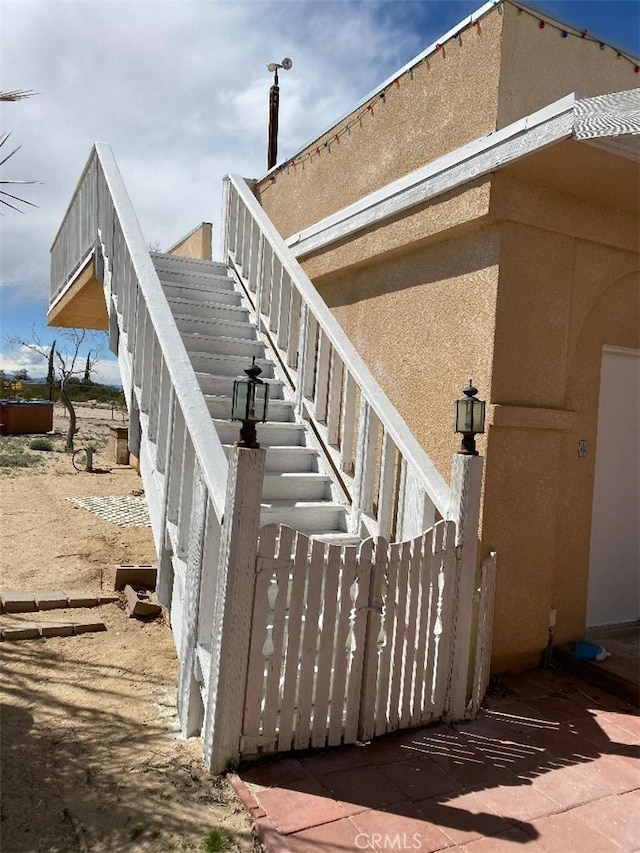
(189, 702)
(484, 630)
(233, 609)
(466, 485)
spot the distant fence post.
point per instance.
(233, 609)
(466, 486)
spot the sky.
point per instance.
(179, 89)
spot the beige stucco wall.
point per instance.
(197, 244)
(423, 323)
(516, 280)
(539, 67)
(425, 117)
(459, 209)
(550, 278)
(501, 71)
(561, 297)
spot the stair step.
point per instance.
(199, 296)
(195, 280)
(216, 386)
(329, 537)
(164, 261)
(221, 337)
(301, 486)
(187, 308)
(219, 405)
(289, 460)
(226, 313)
(227, 365)
(217, 327)
(269, 434)
(313, 517)
(222, 345)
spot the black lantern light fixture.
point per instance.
(469, 419)
(274, 106)
(250, 404)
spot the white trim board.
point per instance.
(569, 117)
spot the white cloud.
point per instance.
(106, 372)
(180, 91)
(24, 359)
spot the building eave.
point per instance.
(610, 121)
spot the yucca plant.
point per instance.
(17, 95)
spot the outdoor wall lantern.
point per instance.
(469, 419)
(250, 404)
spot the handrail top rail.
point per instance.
(431, 479)
(75, 192)
(207, 447)
(206, 444)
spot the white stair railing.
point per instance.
(183, 464)
(394, 488)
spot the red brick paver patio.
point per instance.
(551, 764)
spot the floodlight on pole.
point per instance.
(274, 104)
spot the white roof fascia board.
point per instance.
(405, 68)
(543, 127)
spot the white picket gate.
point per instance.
(347, 642)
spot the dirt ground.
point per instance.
(90, 756)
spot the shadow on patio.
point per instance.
(539, 763)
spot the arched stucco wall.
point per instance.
(538, 490)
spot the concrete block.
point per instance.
(79, 598)
(23, 631)
(18, 602)
(108, 597)
(143, 577)
(88, 626)
(55, 629)
(50, 599)
(141, 603)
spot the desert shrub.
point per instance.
(41, 444)
(13, 453)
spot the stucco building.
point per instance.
(477, 216)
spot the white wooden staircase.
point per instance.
(220, 334)
(341, 463)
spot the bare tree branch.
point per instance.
(67, 363)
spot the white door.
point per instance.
(614, 568)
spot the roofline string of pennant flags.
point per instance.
(368, 109)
